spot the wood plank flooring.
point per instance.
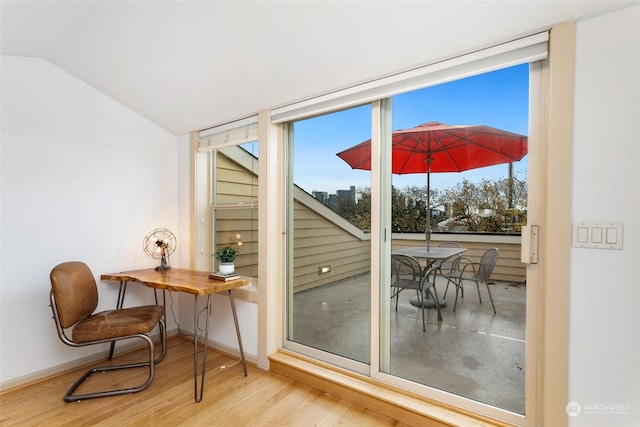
(230, 399)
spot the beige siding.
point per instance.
(508, 268)
(320, 242)
(242, 222)
(236, 183)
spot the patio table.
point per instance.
(431, 255)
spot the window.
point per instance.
(229, 155)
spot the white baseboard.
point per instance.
(83, 361)
(59, 369)
(222, 348)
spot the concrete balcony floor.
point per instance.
(473, 352)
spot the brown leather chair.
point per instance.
(74, 298)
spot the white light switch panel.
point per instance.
(597, 234)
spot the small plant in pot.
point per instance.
(226, 255)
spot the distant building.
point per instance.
(332, 200)
(347, 194)
(320, 196)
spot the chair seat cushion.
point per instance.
(118, 323)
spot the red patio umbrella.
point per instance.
(436, 147)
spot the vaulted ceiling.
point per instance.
(190, 65)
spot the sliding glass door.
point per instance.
(329, 286)
(473, 351)
(357, 198)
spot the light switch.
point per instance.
(583, 235)
(597, 235)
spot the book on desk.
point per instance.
(216, 275)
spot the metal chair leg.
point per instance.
(490, 297)
(69, 397)
(434, 294)
(458, 287)
(422, 308)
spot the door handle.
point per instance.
(529, 244)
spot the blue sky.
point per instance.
(498, 99)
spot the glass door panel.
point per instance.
(472, 352)
(329, 279)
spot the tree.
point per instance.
(486, 206)
(358, 213)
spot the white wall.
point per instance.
(604, 356)
(83, 178)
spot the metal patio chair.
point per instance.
(407, 273)
(479, 273)
(450, 268)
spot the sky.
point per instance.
(498, 99)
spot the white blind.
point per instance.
(233, 133)
(527, 49)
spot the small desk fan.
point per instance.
(159, 244)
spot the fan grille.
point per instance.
(158, 241)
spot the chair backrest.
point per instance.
(404, 267)
(449, 264)
(449, 245)
(74, 291)
(487, 262)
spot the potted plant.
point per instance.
(226, 255)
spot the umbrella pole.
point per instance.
(428, 230)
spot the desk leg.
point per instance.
(163, 331)
(198, 398)
(119, 304)
(235, 320)
(121, 292)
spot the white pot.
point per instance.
(226, 267)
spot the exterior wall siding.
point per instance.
(237, 181)
(320, 242)
(508, 268)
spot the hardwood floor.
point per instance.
(230, 399)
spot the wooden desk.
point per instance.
(196, 283)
